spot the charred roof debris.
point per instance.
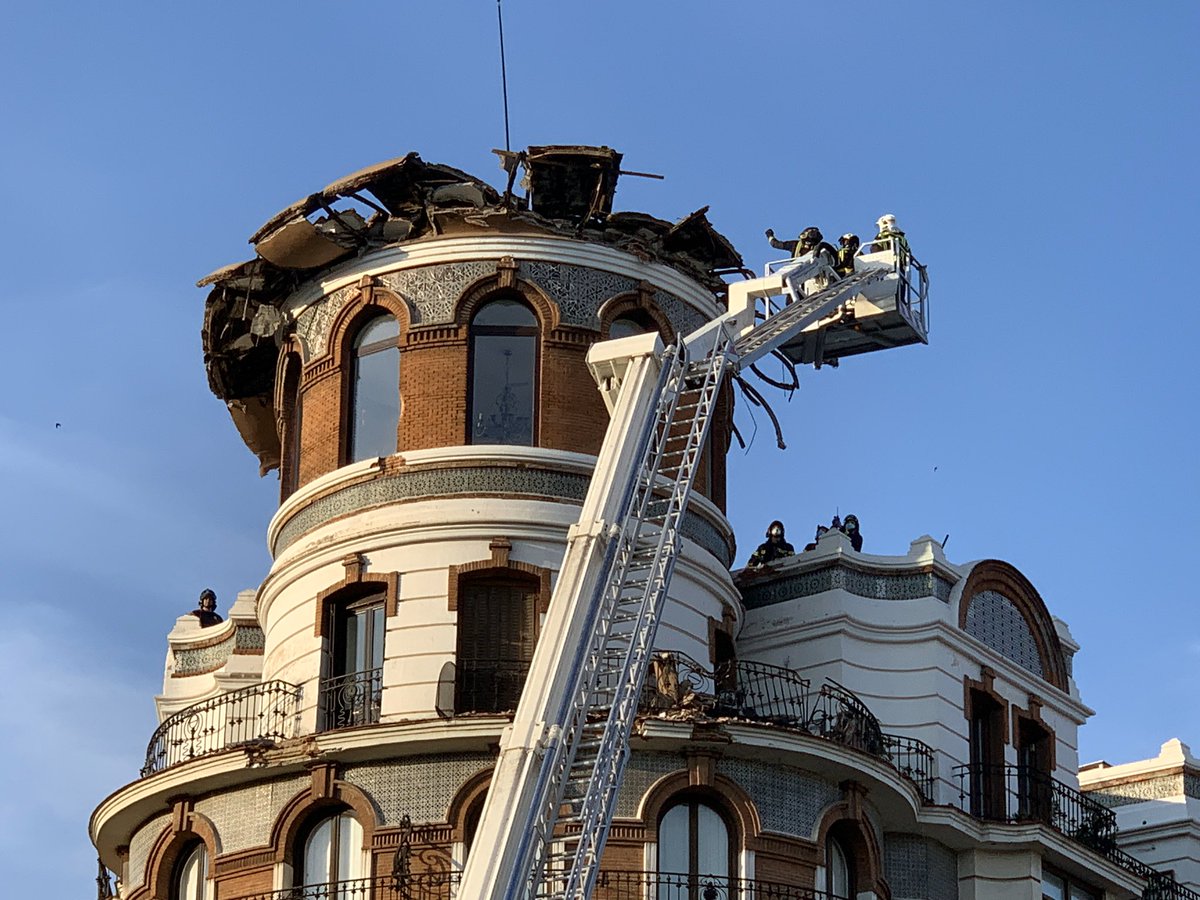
(565, 190)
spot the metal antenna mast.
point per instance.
(503, 71)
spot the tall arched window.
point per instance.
(497, 631)
(695, 852)
(331, 851)
(191, 875)
(504, 350)
(374, 390)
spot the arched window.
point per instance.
(191, 874)
(695, 852)
(352, 690)
(504, 350)
(374, 390)
(331, 851)
(497, 631)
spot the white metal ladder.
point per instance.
(597, 738)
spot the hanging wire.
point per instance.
(503, 73)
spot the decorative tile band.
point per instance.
(874, 586)
(1160, 788)
(424, 484)
(204, 659)
(420, 787)
(249, 639)
(432, 293)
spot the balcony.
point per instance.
(1016, 794)
(609, 886)
(759, 692)
(348, 701)
(262, 714)
(1019, 795)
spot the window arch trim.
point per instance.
(1005, 579)
(639, 301)
(846, 820)
(327, 794)
(186, 829)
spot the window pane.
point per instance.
(376, 404)
(673, 840)
(316, 854)
(193, 875)
(349, 855)
(1079, 893)
(712, 843)
(1052, 887)
(505, 312)
(502, 389)
(379, 329)
(350, 651)
(377, 630)
(839, 871)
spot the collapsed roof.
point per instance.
(568, 190)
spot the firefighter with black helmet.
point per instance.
(773, 548)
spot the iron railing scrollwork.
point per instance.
(351, 700)
(915, 761)
(760, 692)
(262, 713)
(838, 715)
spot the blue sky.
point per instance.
(1040, 156)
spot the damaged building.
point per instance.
(408, 347)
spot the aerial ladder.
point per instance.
(553, 792)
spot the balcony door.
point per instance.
(352, 689)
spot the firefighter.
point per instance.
(848, 245)
(887, 229)
(773, 548)
(810, 240)
(850, 527)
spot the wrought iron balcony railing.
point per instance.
(915, 761)
(1004, 793)
(262, 713)
(1017, 794)
(609, 886)
(424, 886)
(350, 700)
(488, 685)
(677, 886)
(759, 692)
